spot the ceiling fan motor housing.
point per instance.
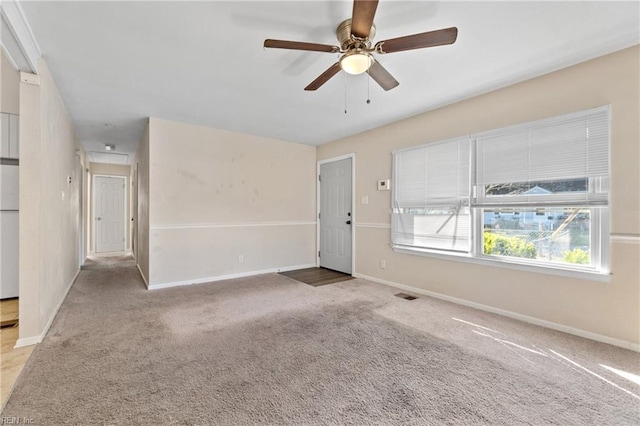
(347, 41)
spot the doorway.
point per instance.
(109, 213)
(335, 214)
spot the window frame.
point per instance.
(599, 222)
(598, 246)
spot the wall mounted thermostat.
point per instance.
(383, 185)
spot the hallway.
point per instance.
(109, 260)
(13, 360)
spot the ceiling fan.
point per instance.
(355, 36)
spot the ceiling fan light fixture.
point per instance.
(356, 62)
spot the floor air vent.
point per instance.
(406, 296)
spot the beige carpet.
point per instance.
(102, 261)
(270, 350)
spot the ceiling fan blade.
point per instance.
(382, 76)
(324, 77)
(418, 41)
(299, 45)
(362, 17)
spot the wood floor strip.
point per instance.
(8, 310)
(11, 360)
(317, 276)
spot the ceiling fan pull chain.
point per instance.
(345, 92)
(368, 94)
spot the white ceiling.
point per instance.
(117, 63)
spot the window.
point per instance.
(431, 203)
(534, 194)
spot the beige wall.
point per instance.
(50, 207)
(141, 237)
(9, 86)
(109, 169)
(115, 170)
(609, 309)
(217, 195)
(30, 211)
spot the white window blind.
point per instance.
(431, 196)
(566, 147)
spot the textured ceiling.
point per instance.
(117, 63)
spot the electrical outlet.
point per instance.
(365, 199)
(240, 259)
(383, 264)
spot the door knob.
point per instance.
(348, 222)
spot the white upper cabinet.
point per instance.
(4, 132)
(9, 128)
(14, 128)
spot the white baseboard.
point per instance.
(110, 253)
(143, 277)
(531, 320)
(32, 340)
(28, 341)
(229, 276)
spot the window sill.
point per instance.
(508, 264)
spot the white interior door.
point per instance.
(336, 215)
(109, 213)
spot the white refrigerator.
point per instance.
(9, 206)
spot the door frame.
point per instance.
(134, 213)
(82, 213)
(351, 156)
(93, 211)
